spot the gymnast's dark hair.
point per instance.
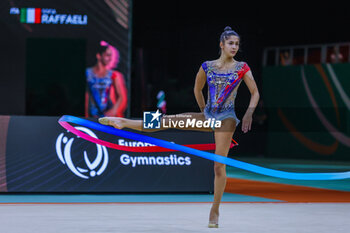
(101, 49)
(227, 33)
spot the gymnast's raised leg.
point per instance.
(120, 123)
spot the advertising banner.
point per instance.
(41, 156)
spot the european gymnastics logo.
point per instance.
(86, 169)
(47, 16)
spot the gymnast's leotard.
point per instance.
(222, 90)
(99, 89)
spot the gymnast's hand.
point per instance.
(247, 122)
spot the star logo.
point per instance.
(156, 115)
(151, 120)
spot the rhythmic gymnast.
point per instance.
(223, 76)
(106, 93)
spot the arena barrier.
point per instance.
(308, 110)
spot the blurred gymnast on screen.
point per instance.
(223, 76)
(106, 93)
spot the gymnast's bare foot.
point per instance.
(116, 122)
(213, 219)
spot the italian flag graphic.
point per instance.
(30, 15)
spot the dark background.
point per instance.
(171, 39)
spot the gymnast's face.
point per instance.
(230, 46)
(106, 57)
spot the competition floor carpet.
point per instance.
(251, 203)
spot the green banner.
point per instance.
(308, 111)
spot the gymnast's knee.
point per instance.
(220, 170)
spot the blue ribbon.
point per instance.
(207, 155)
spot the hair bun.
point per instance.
(228, 29)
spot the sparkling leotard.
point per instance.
(222, 90)
(99, 90)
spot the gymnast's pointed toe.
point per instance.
(103, 120)
(213, 225)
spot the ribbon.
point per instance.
(63, 121)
